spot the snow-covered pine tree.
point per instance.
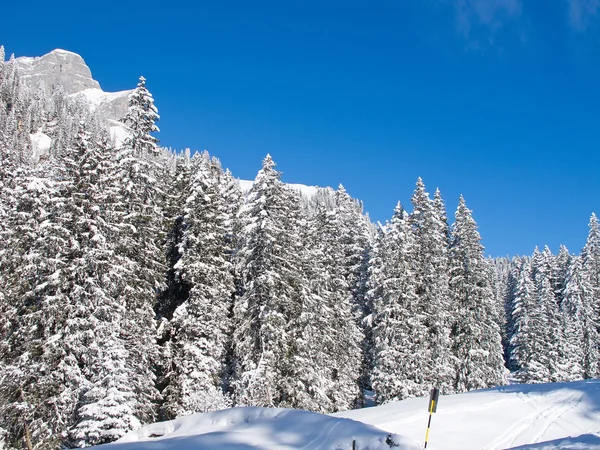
(141, 119)
(476, 338)
(543, 271)
(430, 259)
(39, 378)
(521, 310)
(530, 323)
(335, 311)
(590, 256)
(269, 266)
(115, 392)
(177, 289)
(200, 326)
(356, 237)
(401, 350)
(140, 240)
(580, 324)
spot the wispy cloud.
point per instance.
(582, 12)
(488, 14)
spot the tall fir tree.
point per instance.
(590, 256)
(401, 349)
(580, 324)
(475, 332)
(269, 268)
(430, 259)
(201, 325)
(336, 286)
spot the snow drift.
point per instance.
(260, 428)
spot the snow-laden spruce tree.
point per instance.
(200, 326)
(532, 318)
(269, 267)
(139, 239)
(142, 219)
(591, 260)
(141, 119)
(401, 348)
(429, 257)
(580, 324)
(476, 338)
(521, 311)
(39, 380)
(117, 392)
(557, 356)
(336, 326)
(177, 289)
(356, 235)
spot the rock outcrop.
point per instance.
(59, 67)
(69, 70)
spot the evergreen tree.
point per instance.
(141, 119)
(590, 256)
(475, 332)
(430, 259)
(530, 321)
(269, 267)
(336, 327)
(356, 236)
(401, 350)
(580, 325)
(116, 391)
(200, 326)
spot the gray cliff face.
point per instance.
(59, 67)
(69, 70)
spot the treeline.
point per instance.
(138, 284)
(552, 307)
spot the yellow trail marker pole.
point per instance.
(434, 396)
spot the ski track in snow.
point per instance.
(422, 417)
(319, 437)
(522, 428)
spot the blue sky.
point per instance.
(497, 100)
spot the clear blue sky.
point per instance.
(498, 100)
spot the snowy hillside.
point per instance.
(520, 416)
(260, 428)
(558, 415)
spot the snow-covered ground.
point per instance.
(537, 417)
(260, 428)
(558, 415)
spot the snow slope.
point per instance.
(259, 428)
(551, 416)
(537, 417)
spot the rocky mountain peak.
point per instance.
(59, 67)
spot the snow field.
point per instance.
(554, 415)
(522, 416)
(260, 428)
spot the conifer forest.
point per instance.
(139, 283)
